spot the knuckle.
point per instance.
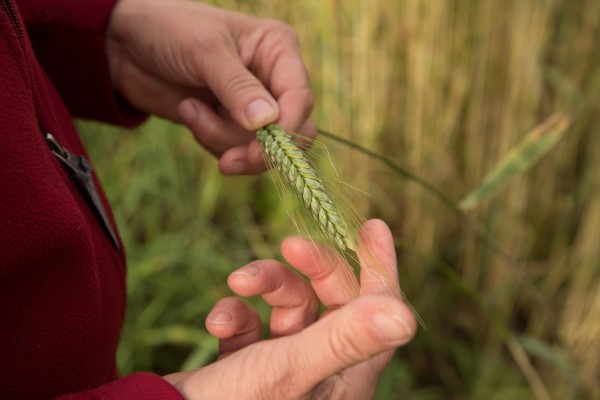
(239, 83)
(344, 346)
(281, 28)
(281, 36)
(204, 48)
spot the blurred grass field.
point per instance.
(445, 89)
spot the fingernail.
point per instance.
(188, 111)
(259, 112)
(391, 328)
(221, 317)
(248, 270)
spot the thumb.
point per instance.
(242, 94)
(357, 332)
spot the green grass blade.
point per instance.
(536, 144)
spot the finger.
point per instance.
(212, 130)
(366, 327)
(308, 129)
(331, 278)
(244, 96)
(294, 303)
(237, 148)
(379, 271)
(160, 97)
(235, 324)
(296, 106)
(242, 160)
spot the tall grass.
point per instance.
(446, 89)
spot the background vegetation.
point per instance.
(446, 89)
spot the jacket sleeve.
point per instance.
(140, 386)
(68, 37)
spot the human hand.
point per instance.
(338, 356)
(221, 73)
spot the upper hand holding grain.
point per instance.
(223, 74)
(340, 356)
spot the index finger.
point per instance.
(331, 278)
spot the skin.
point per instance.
(223, 75)
(338, 355)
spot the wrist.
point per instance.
(177, 379)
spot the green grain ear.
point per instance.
(282, 154)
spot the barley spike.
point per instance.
(282, 154)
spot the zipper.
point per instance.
(80, 172)
(11, 11)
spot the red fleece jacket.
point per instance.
(62, 281)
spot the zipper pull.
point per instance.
(80, 171)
